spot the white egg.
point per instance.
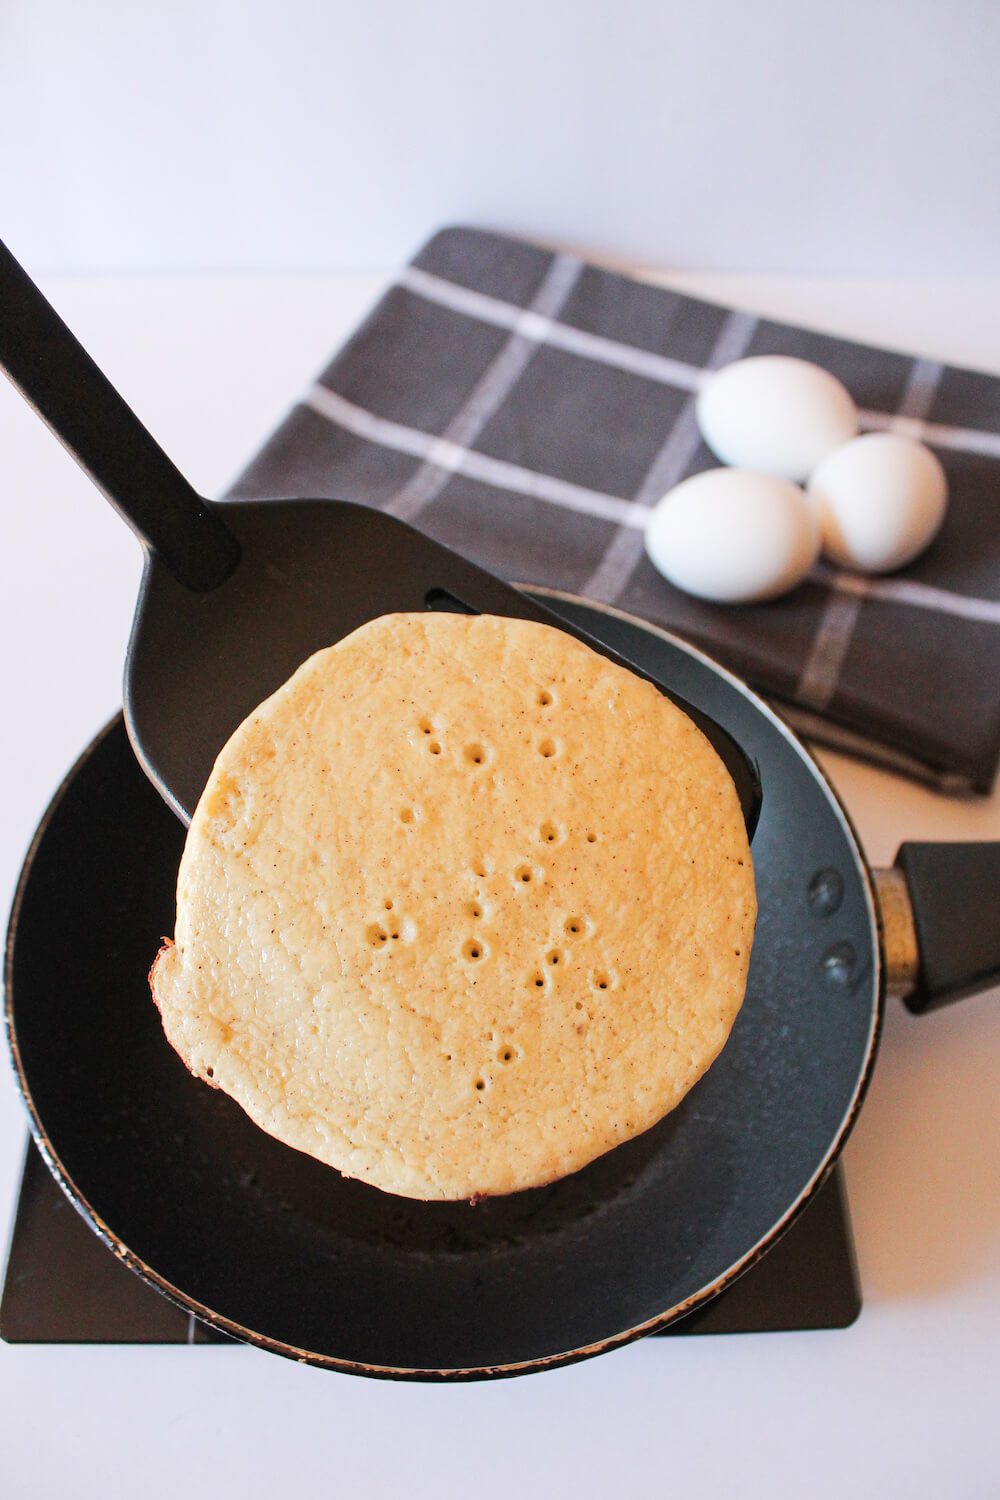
(733, 536)
(879, 501)
(775, 414)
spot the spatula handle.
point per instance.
(59, 379)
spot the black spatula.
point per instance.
(234, 597)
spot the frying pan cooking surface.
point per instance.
(277, 1249)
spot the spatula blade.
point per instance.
(311, 571)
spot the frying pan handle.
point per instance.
(59, 379)
(954, 897)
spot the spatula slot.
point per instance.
(446, 602)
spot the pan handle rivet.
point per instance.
(838, 964)
(826, 891)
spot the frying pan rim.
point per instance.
(240, 1332)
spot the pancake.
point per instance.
(463, 906)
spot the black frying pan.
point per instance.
(274, 1248)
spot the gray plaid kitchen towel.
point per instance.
(528, 409)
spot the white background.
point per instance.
(315, 136)
(793, 135)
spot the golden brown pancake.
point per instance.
(462, 907)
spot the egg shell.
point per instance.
(775, 414)
(879, 501)
(733, 536)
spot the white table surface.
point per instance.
(906, 1402)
